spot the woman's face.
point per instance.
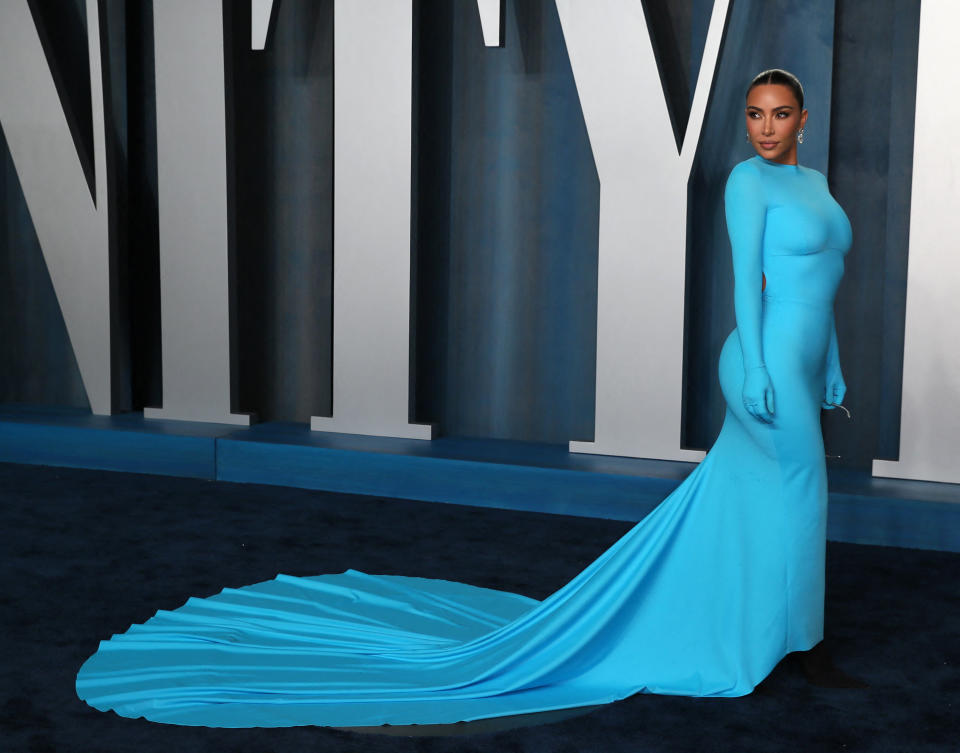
(773, 119)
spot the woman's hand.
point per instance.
(835, 388)
(758, 394)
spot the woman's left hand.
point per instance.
(835, 389)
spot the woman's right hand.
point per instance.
(758, 394)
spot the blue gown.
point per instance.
(701, 598)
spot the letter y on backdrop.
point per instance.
(643, 222)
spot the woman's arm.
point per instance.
(746, 216)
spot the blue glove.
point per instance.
(834, 387)
(758, 394)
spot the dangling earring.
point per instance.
(748, 137)
(800, 136)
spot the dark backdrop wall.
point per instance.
(507, 224)
(504, 217)
(858, 63)
(282, 155)
(871, 165)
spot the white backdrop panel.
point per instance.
(192, 203)
(930, 410)
(373, 90)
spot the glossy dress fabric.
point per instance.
(702, 597)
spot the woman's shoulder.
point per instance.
(745, 169)
(745, 176)
(814, 174)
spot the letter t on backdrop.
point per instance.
(373, 100)
(192, 184)
(643, 222)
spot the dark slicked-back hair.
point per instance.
(779, 76)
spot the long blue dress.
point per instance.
(703, 597)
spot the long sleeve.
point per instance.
(833, 350)
(746, 213)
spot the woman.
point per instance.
(784, 224)
(702, 597)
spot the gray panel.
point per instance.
(643, 204)
(373, 68)
(930, 413)
(71, 229)
(192, 184)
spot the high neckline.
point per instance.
(775, 164)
